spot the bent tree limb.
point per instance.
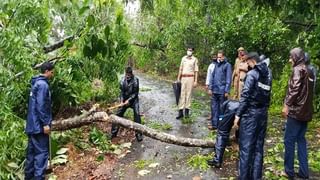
(91, 116)
(57, 45)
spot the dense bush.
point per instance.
(166, 28)
(98, 52)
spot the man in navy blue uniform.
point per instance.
(226, 118)
(219, 86)
(38, 124)
(253, 111)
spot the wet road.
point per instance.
(157, 103)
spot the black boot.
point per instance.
(213, 162)
(180, 115)
(114, 131)
(139, 137)
(186, 113)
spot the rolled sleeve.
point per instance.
(209, 74)
(196, 67)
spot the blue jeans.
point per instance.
(295, 133)
(217, 100)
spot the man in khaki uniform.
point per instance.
(188, 75)
(239, 73)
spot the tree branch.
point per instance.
(91, 116)
(309, 25)
(149, 46)
(57, 45)
(53, 60)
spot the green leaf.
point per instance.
(13, 165)
(107, 31)
(59, 161)
(90, 20)
(100, 158)
(83, 10)
(62, 156)
(62, 151)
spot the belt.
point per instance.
(187, 75)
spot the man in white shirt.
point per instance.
(209, 76)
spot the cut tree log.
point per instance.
(91, 116)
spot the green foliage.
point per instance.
(279, 89)
(98, 52)
(199, 161)
(159, 126)
(141, 164)
(274, 151)
(196, 109)
(99, 138)
(211, 135)
(60, 157)
(171, 26)
(165, 28)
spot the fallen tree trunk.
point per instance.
(91, 116)
(78, 121)
(161, 136)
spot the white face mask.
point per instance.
(189, 53)
(267, 61)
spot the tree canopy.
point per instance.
(91, 41)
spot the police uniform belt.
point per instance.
(187, 75)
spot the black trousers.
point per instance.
(122, 110)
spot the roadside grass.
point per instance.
(159, 126)
(274, 148)
(199, 161)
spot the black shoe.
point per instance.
(49, 170)
(180, 115)
(214, 163)
(301, 177)
(187, 113)
(139, 137)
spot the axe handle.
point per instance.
(115, 106)
(50, 153)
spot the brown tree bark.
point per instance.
(92, 116)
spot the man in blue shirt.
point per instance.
(219, 86)
(38, 124)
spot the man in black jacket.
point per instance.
(298, 110)
(253, 111)
(129, 97)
